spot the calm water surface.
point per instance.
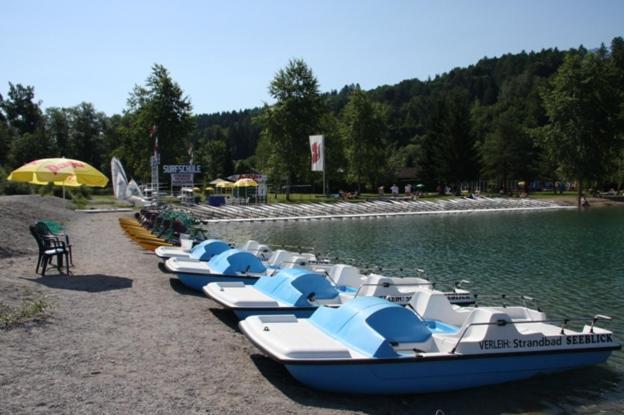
(570, 261)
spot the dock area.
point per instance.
(347, 210)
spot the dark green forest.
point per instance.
(529, 117)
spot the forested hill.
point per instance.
(409, 102)
(548, 115)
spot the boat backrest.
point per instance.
(296, 261)
(250, 245)
(310, 256)
(345, 276)
(380, 286)
(433, 305)
(279, 257)
(263, 252)
(476, 330)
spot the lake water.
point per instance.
(571, 261)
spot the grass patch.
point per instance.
(28, 310)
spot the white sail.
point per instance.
(133, 189)
(119, 179)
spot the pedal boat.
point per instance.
(372, 346)
(301, 291)
(202, 251)
(234, 265)
(228, 266)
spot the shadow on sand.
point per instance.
(227, 317)
(89, 283)
(180, 288)
(561, 393)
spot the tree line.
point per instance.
(549, 115)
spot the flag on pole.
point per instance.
(318, 152)
(152, 133)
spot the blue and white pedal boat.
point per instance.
(228, 266)
(372, 346)
(301, 291)
(205, 250)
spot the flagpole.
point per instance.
(324, 163)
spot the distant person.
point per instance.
(380, 190)
(408, 190)
(394, 190)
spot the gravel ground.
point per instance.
(122, 337)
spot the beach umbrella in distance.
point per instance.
(224, 185)
(61, 172)
(245, 183)
(218, 181)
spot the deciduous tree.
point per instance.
(583, 108)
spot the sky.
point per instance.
(224, 53)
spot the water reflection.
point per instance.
(570, 260)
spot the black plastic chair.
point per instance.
(50, 247)
(44, 229)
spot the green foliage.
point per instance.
(288, 124)
(363, 128)
(508, 150)
(11, 188)
(159, 103)
(85, 139)
(29, 309)
(448, 144)
(215, 158)
(516, 117)
(584, 109)
(46, 190)
(22, 113)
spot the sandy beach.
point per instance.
(120, 336)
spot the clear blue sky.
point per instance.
(225, 53)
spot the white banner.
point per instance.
(317, 149)
(182, 179)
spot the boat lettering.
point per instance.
(494, 344)
(397, 298)
(519, 343)
(454, 297)
(543, 342)
(589, 338)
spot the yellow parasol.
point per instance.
(60, 171)
(224, 185)
(70, 181)
(246, 183)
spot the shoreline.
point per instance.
(122, 337)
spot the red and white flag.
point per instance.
(317, 144)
